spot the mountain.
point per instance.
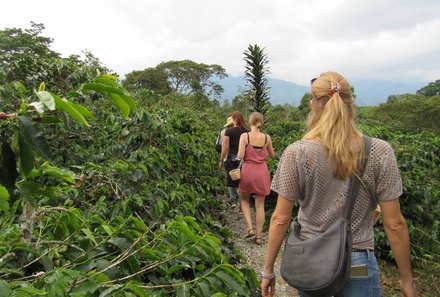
(368, 92)
(374, 92)
(281, 91)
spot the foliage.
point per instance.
(412, 113)
(150, 78)
(187, 77)
(256, 70)
(304, 105)
(129, 216)
(26, 61)
(418, 159)
(432, 89)
(179, 77)
(283, 113)
(23, 53)
(105, 194)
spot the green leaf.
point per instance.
(204, 288)
(89, 234)
(69, 108)
(107, 229)
(107, 80)
(27, 158)
(4, 197)
(86, 288)
(232, 280)
(47, 99)
(34, 137)
(107, 89)
(183, 290)
(30, 191)
(139, 223)
(5, 289)
(124, 108)
(65, 174)
(30, 290)
(84, 111)
(109, 291)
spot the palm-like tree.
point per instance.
(256, 70)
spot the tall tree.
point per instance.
(255, 73)
(25, 54)
(149, 78)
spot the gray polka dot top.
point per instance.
(304, 174)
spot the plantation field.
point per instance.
(111, 188)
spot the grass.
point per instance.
(427, 280)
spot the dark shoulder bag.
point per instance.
(218, 143)
(320, 266)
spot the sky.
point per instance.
(388, 40)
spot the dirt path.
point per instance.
(255, 254)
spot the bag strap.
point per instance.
(355, 182)
(241, 163)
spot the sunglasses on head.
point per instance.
(313, 80)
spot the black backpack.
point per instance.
(218, 143)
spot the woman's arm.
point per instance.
(225, 150)
(270, 147)
(241, 146)
(279, 224)
(397, 234)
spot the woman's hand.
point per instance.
(408, 289)
(268, 287)
(220, 164)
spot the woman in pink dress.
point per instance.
(254, 149)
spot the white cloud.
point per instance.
(390, 39)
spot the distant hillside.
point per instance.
(281, 92)
(368, 92)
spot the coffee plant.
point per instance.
(96, 203)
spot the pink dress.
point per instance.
(254, 172)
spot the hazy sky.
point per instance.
(394, 40)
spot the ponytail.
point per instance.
(332, 121)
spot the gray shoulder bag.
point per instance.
(320, 266)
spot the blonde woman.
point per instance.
(254, 149)
(315, 171)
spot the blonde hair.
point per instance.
(332, 121)
(256, 119)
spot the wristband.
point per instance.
(267, 276)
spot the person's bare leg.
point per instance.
(245, 208)
(260, 216)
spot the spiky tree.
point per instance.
(255, 73)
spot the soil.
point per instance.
(255, 254)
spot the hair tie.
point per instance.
(335, 88)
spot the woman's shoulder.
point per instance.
(380, 146)
(302, 145)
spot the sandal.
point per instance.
(258, 241)
(250, 233)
